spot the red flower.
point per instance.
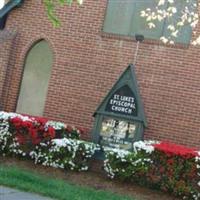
(41, 120)
(170, 162)
(51, 132)
(27, 124)
(20, 138)
(41, 128)
(162, 169)
(36, 141)
(82, 130)
(33, 133)
(171, 149)
(16, 121)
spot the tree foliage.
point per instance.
(50, 7)
(178, 14)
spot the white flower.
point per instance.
(196, 41)
(142, 13)
(174, 10)
(161, 2)
(151, 25)
(175, 33)
(56, 125)
(194, 23)
(149, 18)
(171, 1)
(171, 27)
(144, 145)
(181, 23)
(164, 39)
(160, 18)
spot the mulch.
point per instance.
(95, 178)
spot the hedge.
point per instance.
(47, 142)
(159, 165)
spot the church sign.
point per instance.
(120, 120)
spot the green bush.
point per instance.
(46, 142)
(164, 166)
(64, 153)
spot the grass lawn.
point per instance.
(54, 188)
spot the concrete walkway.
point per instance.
(12, 194)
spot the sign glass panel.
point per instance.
(117, 133)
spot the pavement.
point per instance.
(12, 194)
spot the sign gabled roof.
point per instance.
(127, 78)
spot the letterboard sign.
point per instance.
(123, 101)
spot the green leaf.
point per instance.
(50, 9)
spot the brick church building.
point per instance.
(64, 73)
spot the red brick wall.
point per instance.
(6, 40)
(87, 63)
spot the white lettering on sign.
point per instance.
(115, 142)
(123, 104)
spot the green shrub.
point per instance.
(164, 166)
(64, 153)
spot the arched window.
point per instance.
(35, 79)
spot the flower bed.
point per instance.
(161, 165)
(64, 153)
(24, 132)
(46, 142)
